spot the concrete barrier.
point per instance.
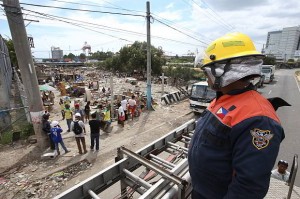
(172, 97)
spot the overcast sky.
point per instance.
(178, 26)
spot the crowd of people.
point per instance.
(77, 114)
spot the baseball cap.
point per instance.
(54, 123)
(77, 115)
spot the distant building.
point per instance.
(57, 53)
(283, 44)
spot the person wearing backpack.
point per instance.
(56, 137)
(77, 126)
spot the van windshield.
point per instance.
(202, 91)
(265, 70)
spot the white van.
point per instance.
(201, 96)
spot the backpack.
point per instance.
(77, 128)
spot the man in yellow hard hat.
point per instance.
(237, 138)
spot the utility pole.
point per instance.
(112, 109)
(25, 62)
(163, 84)
(149, 107)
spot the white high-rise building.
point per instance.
(283, 44)
(57, 53)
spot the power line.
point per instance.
(116, 13)
(180, 31)
(109, 28)
(83, 22)
(95, 5)
(79, 25)
(216, 21)
(206, 4)
(52, 17)
(84, 10)
(217, 18)
(184, 28)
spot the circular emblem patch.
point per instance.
(261, 138)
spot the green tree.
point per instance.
(101, 56)
(134, 57)
(12, 53)
(82, 56)
(71, 56)
(269, 61)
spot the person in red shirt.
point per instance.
(132, 106)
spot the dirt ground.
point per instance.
(23, 174)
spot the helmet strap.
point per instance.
(217, 83)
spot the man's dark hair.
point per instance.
(283, 163)
(93, 115)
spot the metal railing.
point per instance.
(172, 180)
(292, 177)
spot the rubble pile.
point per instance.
(24, 185)
(46, 178)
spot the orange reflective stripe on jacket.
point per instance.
(250, 108)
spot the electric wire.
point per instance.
(79, 25)
(95, 5)
(180, 31)
(115, 13)
(83, 10)
(216, 21)
(87, 23)
(216, 16)
(126, 14)
(13, 13)
(52, 17)
(183, 28)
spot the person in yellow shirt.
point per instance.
(107, 118)
(68, 116)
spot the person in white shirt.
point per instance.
(124, 104)
(121, 115)
(132, 106)
(281, 172)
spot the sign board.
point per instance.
(297, 53)
(30, 41)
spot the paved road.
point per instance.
(286, 87)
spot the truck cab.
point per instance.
(268, 72)
(201, 96)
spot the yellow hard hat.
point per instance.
(229, 46)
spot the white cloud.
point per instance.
(170, 5)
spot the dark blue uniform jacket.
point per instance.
(234, 147)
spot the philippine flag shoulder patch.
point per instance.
(221, 112)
